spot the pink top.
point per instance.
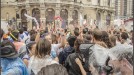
(18, 45)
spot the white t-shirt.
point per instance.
(35, 64)
(120, 49)
(55, 48)
(98, 55)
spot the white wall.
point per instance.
(94, 2)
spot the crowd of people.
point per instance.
(79, 50)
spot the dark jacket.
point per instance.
(63, 54)
(71, 66)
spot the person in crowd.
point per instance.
(32, 37)
(31, 32)
(125, 38)
(30, 50)
(15, 36)
(122, 63)
(112, 39)
(68, 50)
(1, 34)
(98, 55)
(55, 47)
(87, 38)
(70, 64)
(6, 36)
(11, 64)
(118, 39)
(105, 39)
(76, 32)
(42, 57)
(84, 32)
(54, 69)
(24, 36)
(31, 46)
(20, 46)
(54, 39)
(92, 70)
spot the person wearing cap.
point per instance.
(11, 64)
(19, 46)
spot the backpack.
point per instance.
(85, 50)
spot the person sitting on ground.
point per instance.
(10, 62)
(42, 57)
(54, 69)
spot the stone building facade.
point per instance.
(99, 12)
(124, 9)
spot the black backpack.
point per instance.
(85, 50)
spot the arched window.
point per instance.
(75, 17)
(23, 18)
(36, 14)
(50, 13)
(64, 16)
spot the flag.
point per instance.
(81, 19)
(4, 26)
(30, 17)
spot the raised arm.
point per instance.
(77, 60)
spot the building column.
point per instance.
(112, 19)
(80, 12)
(29, 22)
(57, 10)
(104, 19)
(70, 11)
(42, 15)
(57, 13)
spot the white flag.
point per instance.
(30, 17)
(4, 26)
(81, 19)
